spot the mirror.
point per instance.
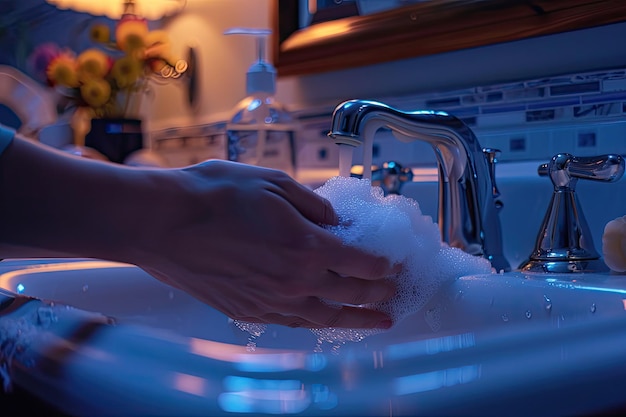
(423, 28)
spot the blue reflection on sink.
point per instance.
(496, 344)
(514, 344)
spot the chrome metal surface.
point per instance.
(390, 177)
(564, 242)
(467, 214)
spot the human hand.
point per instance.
(243, 239)
(248, 241)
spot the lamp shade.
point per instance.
(114, 9)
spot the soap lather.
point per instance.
(261, 131)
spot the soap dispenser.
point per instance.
(261, 131)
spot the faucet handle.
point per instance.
(564, 243)
(391, 177)
(565, 169)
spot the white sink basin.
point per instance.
(502, 344)
(510, 344)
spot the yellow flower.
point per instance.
(130, 34)
(92, 63)
(62, 70)
(126, 71)
(96, 92)
(100, 33)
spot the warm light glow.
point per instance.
(261, 360)
(150, 9)
(330, 29)
(190, 384)
(10, 280)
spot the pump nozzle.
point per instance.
(261, 76)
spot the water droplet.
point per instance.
(529, 314)
(593, 308)
(45, 316)
(251, 346)
(85, 288)
(433, 318)
(493, 300)
(458, 296)
(171, 295)
(547, 303)
(505, 318)
(318, 346)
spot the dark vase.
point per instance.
(115, 138)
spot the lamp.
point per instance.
(149, 9)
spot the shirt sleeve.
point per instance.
(6, 137)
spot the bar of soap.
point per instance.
(614, 244)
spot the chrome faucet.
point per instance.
(468, 208)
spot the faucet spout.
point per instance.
(468, 211)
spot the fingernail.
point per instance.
(385, 324)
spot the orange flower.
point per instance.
(92, 63)
(126, 71)
(100, 33)
(130, 33)
(96, 92)
(62, 70)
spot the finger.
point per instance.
(351, 261)
(281, 319)
(312, 206)
(351, 290)
(289, 321)
(315, 314)
(321, 314)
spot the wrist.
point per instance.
(60, 205)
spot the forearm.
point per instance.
(54, 204)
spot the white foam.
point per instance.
(394, 227)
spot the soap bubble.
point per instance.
(394, 226)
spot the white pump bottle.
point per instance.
(261, 131)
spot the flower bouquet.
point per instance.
(103, 86)
(110, 79)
